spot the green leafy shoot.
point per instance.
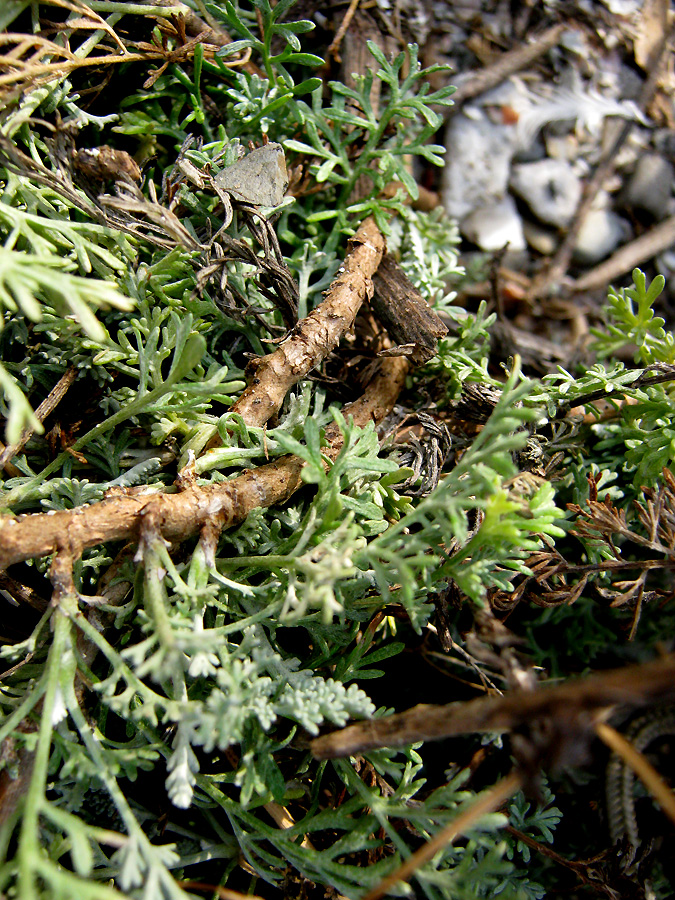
(242, 22)
(400, 127)
(631, 322)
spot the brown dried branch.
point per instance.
(508, 64)
(334, 46)
(123, 514)
(48, 405)
(23, 74)
(563, 712)
(146, 218)
(548, 565)
(600, 521)
(626, 258)
(318, 334)
(408, 318)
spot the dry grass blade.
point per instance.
(488, 802)
(640, 765)
(31, 60)
(47, 406)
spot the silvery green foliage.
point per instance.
(427, 246)
(42, 264)
(208, 680)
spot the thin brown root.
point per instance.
(334, 47)
(626, 258)
(507, 64)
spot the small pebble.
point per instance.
(550, 188)
(601, 233)
(541, 239)
(495, 225)
(650, 185)
(562, 146)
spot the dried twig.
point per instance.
(48, 405)
(334, 47)
(566, 705)
(508, 64)
(123, 514)
(626, 258)
(318, 334)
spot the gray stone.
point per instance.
(650, 185)
(600, 234)
(495, 225)
(550, 188)
(477, 163)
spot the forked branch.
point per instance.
(180, 515)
